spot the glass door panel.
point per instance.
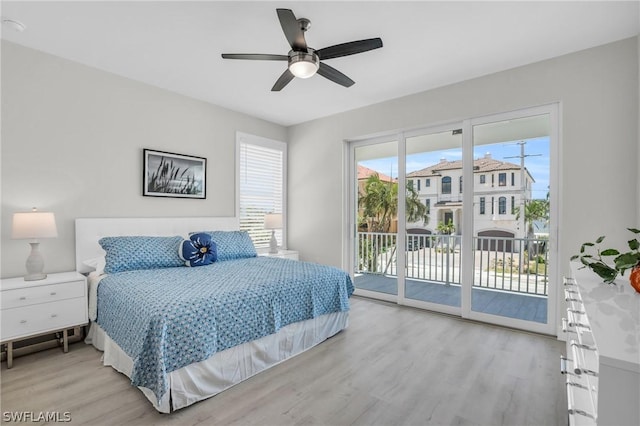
(376, 189)
(511, 220)
(433, 218)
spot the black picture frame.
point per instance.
(172, 175)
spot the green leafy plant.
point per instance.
(448, 228)
(621, 261)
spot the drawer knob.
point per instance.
(565, 326)
(581, 413)
(53, 293)
(23, 321)
(23, 298)
(54, 315)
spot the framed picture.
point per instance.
(166, 174)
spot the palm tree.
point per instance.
(415, 210)
(534, 210)
(380, 204)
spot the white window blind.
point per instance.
(261, 186)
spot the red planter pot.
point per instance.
(634, 278)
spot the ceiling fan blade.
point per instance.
(334, 75)
(350, 48)
(255, 56)
(292, 30)
(284, 79)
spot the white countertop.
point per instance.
(614, 315)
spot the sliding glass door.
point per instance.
(513, 248)
(433, 218)
(460, 218)
(375, 198)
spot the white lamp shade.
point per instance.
(273, 221)
(303, 69)
(34, 225)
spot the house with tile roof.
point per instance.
(499, 189)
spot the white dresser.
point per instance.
(602, 366)
(31, 308)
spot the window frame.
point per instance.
(245, 138)
(502, 205)
(502, 179)
(446, 180)
(483, 206)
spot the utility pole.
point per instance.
(523, 189)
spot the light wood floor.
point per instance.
(392, 366)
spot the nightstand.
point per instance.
(32, 308)
(286, 254)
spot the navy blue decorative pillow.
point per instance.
(232, 244)
(198, 250)
(140, 252)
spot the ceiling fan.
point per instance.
(303, 61)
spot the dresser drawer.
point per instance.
(581, 397)
(42, 294)
(35, 319)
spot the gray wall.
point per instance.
(598, 91)
(72, 140)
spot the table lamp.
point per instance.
(34, 225)
(273, 221)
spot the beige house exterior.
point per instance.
(499, 189)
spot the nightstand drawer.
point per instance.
(42, 294)
(35, 319)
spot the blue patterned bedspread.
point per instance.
(165, 319)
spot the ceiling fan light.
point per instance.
(303, 65)
(303, 69)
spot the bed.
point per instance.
(183, 334)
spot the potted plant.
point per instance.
(621, 261)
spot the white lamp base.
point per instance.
(35, 264)
(273, 244)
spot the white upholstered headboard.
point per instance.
(90, 230)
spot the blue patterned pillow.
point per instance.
(232, 244)
(198, 250)
(132, 253)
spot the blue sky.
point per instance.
(537, 163)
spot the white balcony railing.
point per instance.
(510, 264)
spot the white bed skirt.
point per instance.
(207, 378)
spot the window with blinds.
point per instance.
(261, 186)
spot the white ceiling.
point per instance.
(177, 45)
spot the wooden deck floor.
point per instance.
(512, 305)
